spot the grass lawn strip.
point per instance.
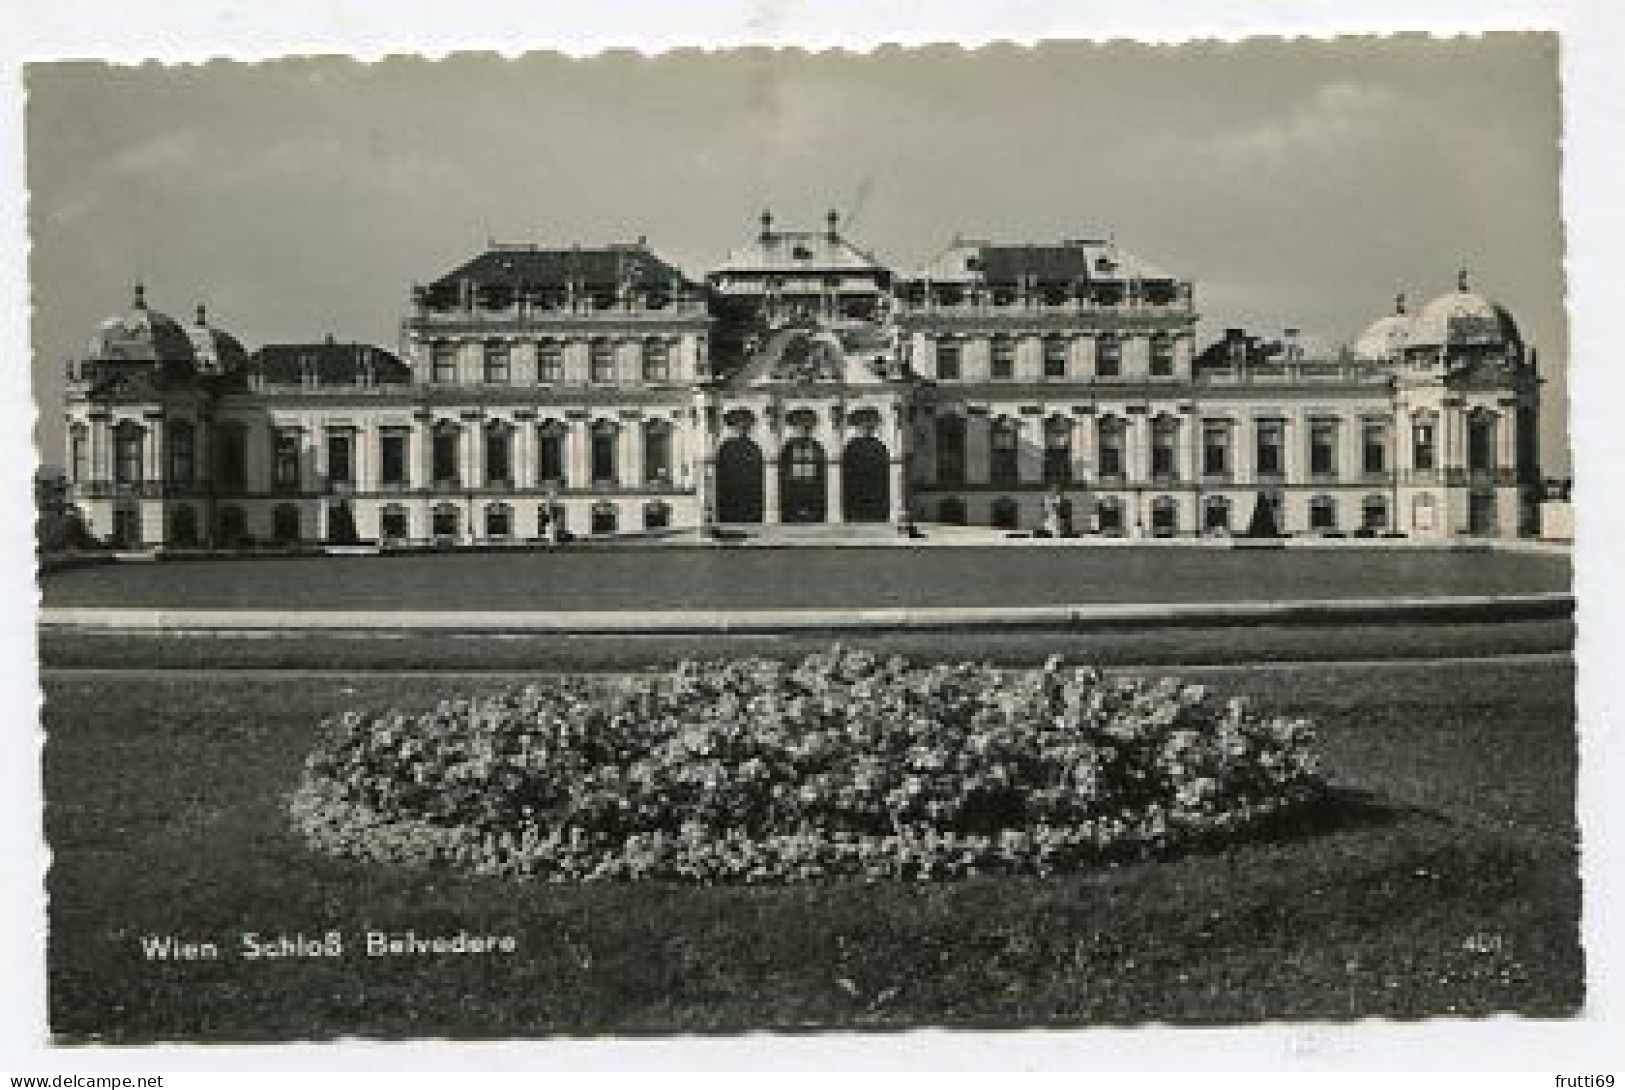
(1447, 883)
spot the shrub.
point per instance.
(758, 771)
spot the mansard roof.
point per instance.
(332, 363)
(1072, 261)
(530, 267)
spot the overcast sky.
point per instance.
(1298, 183)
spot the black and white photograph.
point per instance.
(1060, 536)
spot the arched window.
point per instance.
(1322, 514)
(1216, 515)
(498, 520)
(1004, 440)
(950, 450)
(232, 528)
(1374, 513)
(394, 523)
(656, 515)
(605, 518)
(1109, 515)
(1057, 450)
(1006, 515)
(447, 518)
(285, 524)
(183, 527)
(951, 511)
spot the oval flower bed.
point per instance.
(843, 764)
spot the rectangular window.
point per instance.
(1003, 443)
(550, 457)
(392, 454)
(1162, 357)
(1163, 453)
(603, 361)
(1423, 448)
(1054, 358)
(657, 455)
(285, 461)
(603, 457)
(1323, 448)
(1269, 436)
(947, 361)
(950, 449)
(445, 457)
(1374, 447)
(180, 455)
(340, 469)
(443, 359)
(231, 459)
(1004, 358)
(496, 363)
(656, 361)
(127, 456)
(1108, 357)
(1216, 448)
(78, 458)
(1110, 454)
(498, 457)
(1480, 446)
(1058, 452)
(549, 362)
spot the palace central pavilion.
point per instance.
(542, 393)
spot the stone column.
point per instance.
(771, 481)
(630, 454)
(578, 454)
(1506, 446)
(977, 458)
(101, 449)
(152, 470)
(899, 491)
(835, 511)
(524, 456)
(1294, 445)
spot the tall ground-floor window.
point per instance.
(657, 454)
(550, 456)
(182, 449)
(1322, 514)
(1374, 513)
(231, 526)
(1109, 515)
(1164, 516)
(498, 456)
(446, 520)
(394, 523)
(605, 440)
(1003, 452)
(285, 524)
(1109, 452)
(183, 526)
(498, 520)
(950, 449)
(1057, 450)
(444, 456)
(127, 444)
(392, 459)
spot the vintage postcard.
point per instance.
(1070, 536)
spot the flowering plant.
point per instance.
(845, 763)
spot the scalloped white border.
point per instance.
(123, 30)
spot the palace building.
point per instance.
(539, 393)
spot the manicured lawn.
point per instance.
(406, 651)
(1444, 881)
(697, 578)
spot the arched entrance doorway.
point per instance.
(866, 480)
(802, 491)
(739, 481)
